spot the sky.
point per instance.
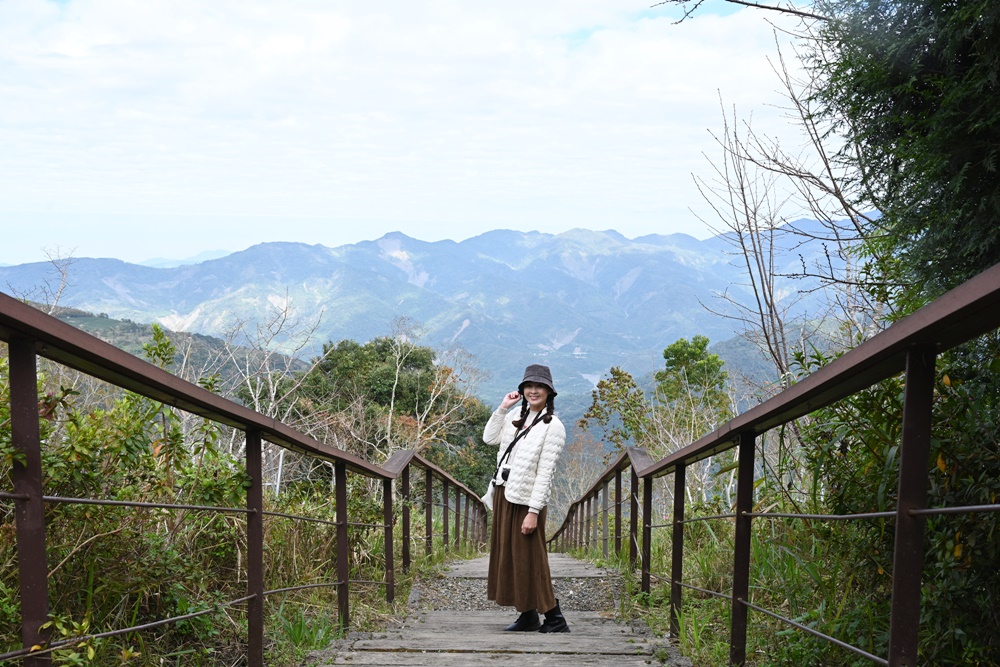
(167, 128)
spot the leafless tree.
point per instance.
(47, 295)
(756, 188)
(268, 371)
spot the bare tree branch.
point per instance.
(688, 12)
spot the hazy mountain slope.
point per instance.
(581, 301)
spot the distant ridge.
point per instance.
(164, 263)
(581, 301)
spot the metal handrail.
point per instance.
(76, 349)
(31, 333)
(909, 345)
(73, 641)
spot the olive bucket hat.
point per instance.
(538, 374)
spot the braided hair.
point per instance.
(550, 410)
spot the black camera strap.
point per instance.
(517, 436)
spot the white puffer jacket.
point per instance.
(533, 461)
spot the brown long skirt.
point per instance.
(519, 564)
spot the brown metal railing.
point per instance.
(909, 346)
(30, 333)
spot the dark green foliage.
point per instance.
(619, 408)
(853, 449)
(112, 567)
(694, 377)
(385, 370)
(914, 87)
(407, 399)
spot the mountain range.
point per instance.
(581, 301)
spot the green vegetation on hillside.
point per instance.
(901, 109)
(112, 567)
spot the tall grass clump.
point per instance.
(116, 567)
(835, 577)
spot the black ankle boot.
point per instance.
(527, 622)
(554, 621)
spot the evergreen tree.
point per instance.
(913, 88)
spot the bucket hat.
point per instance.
(538, 374)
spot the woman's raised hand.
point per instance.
(510, 399)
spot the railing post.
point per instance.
(741, 550)
(908, 555)
(458, 517)
(647, 531)
(465, 522)
(578, 518)
(618, 512)
(255, 550)
(485, 528)
(571, 529)
(604, 521)
(405, 481)
(429, 511)
(677, 550)
(29, 513)
(390, 547)
(587, 531)
(595, 514)
(633, 534)
(570, 525)
(444, 516)
(343, 548)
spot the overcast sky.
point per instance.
(155, 128)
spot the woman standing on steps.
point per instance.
(530, 441)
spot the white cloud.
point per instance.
(240, 121)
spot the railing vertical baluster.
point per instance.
(389, 547)
(429, 511)
(908, 555)
(444, 516)
(578, 517)
(592, 514)
(484, 528)
(587, 513)
(677, 550)
(633, 536)
(741, 550)
(30, 513)
(405, 482)
(465, 523)
(618, 512)
(578, 533)
(343, 548)
(604, 520)
(458, 517)
(572, 527)
(595, 514)
(255, 550)
(647, 531)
